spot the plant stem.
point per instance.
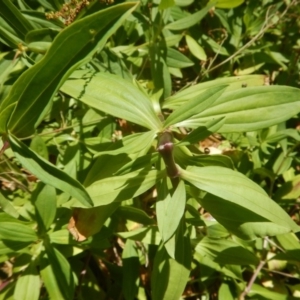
(165, 149)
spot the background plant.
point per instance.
(144, 155)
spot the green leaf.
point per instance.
(39, 146)
(30, 96)
(134, 214)
(264, 293)
(229, 271)
(161, 78)
(15, 231)
(131, 265)
(185, 114)
(148, 235)
(164, 4)
(211, 160)
(9, 37)
(239, 204)
(28, 284)
(142, 162)
(202, 132)
(215, 47)
(195, 48)
(44, 198)
(233, 83)
(7, 206)
(8, 247)
(250, 108)
(48, 173)
(175, 59)
(57, 274)
(226, 3)
(190, 20)
(169, 276)
(14, 17)
(132, 143)
(115, 96)
(120, 188)
(226, 252)
(170, 209)
(282, 134)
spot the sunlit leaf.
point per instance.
(238, 203)
(15, 231)
(169, 210)
(47, 172)
(28, 284)
(190, 20)
(30, 97)
(114, 95)
(250, 109)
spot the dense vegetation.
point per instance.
(149, 149)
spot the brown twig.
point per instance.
(256, 272)
(267, 24)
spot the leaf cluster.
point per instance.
(149, 149)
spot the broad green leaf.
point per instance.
(164, 4)
(264, 293)
(142, 162)
(49, 279)
(131, 265)
(227, 290)
(132, 144)
(239, 204)
(190, 20)
(14, 17)
(282, 134)
(183, 2)
(15, 231)
(170, 209)
(250, 108)
(175, 59)
(211, 160)
(28, 284)
(62, 236)
(235, 273)
(202, 132)
(57, 274)
(48, 173)
(290, 243)
(226, 3)
(120, 188)
(195, 48)
(226, 252)
(289, 190)
(7, 206)
(9, 246)
(169, 276)
(148, 235)
(134, 214)
(233, 83)
(195, 106)
(161, 78)
(31, 95)
(44, 198)
(39, 146)
(115, 96)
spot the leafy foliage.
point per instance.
(149, 150)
